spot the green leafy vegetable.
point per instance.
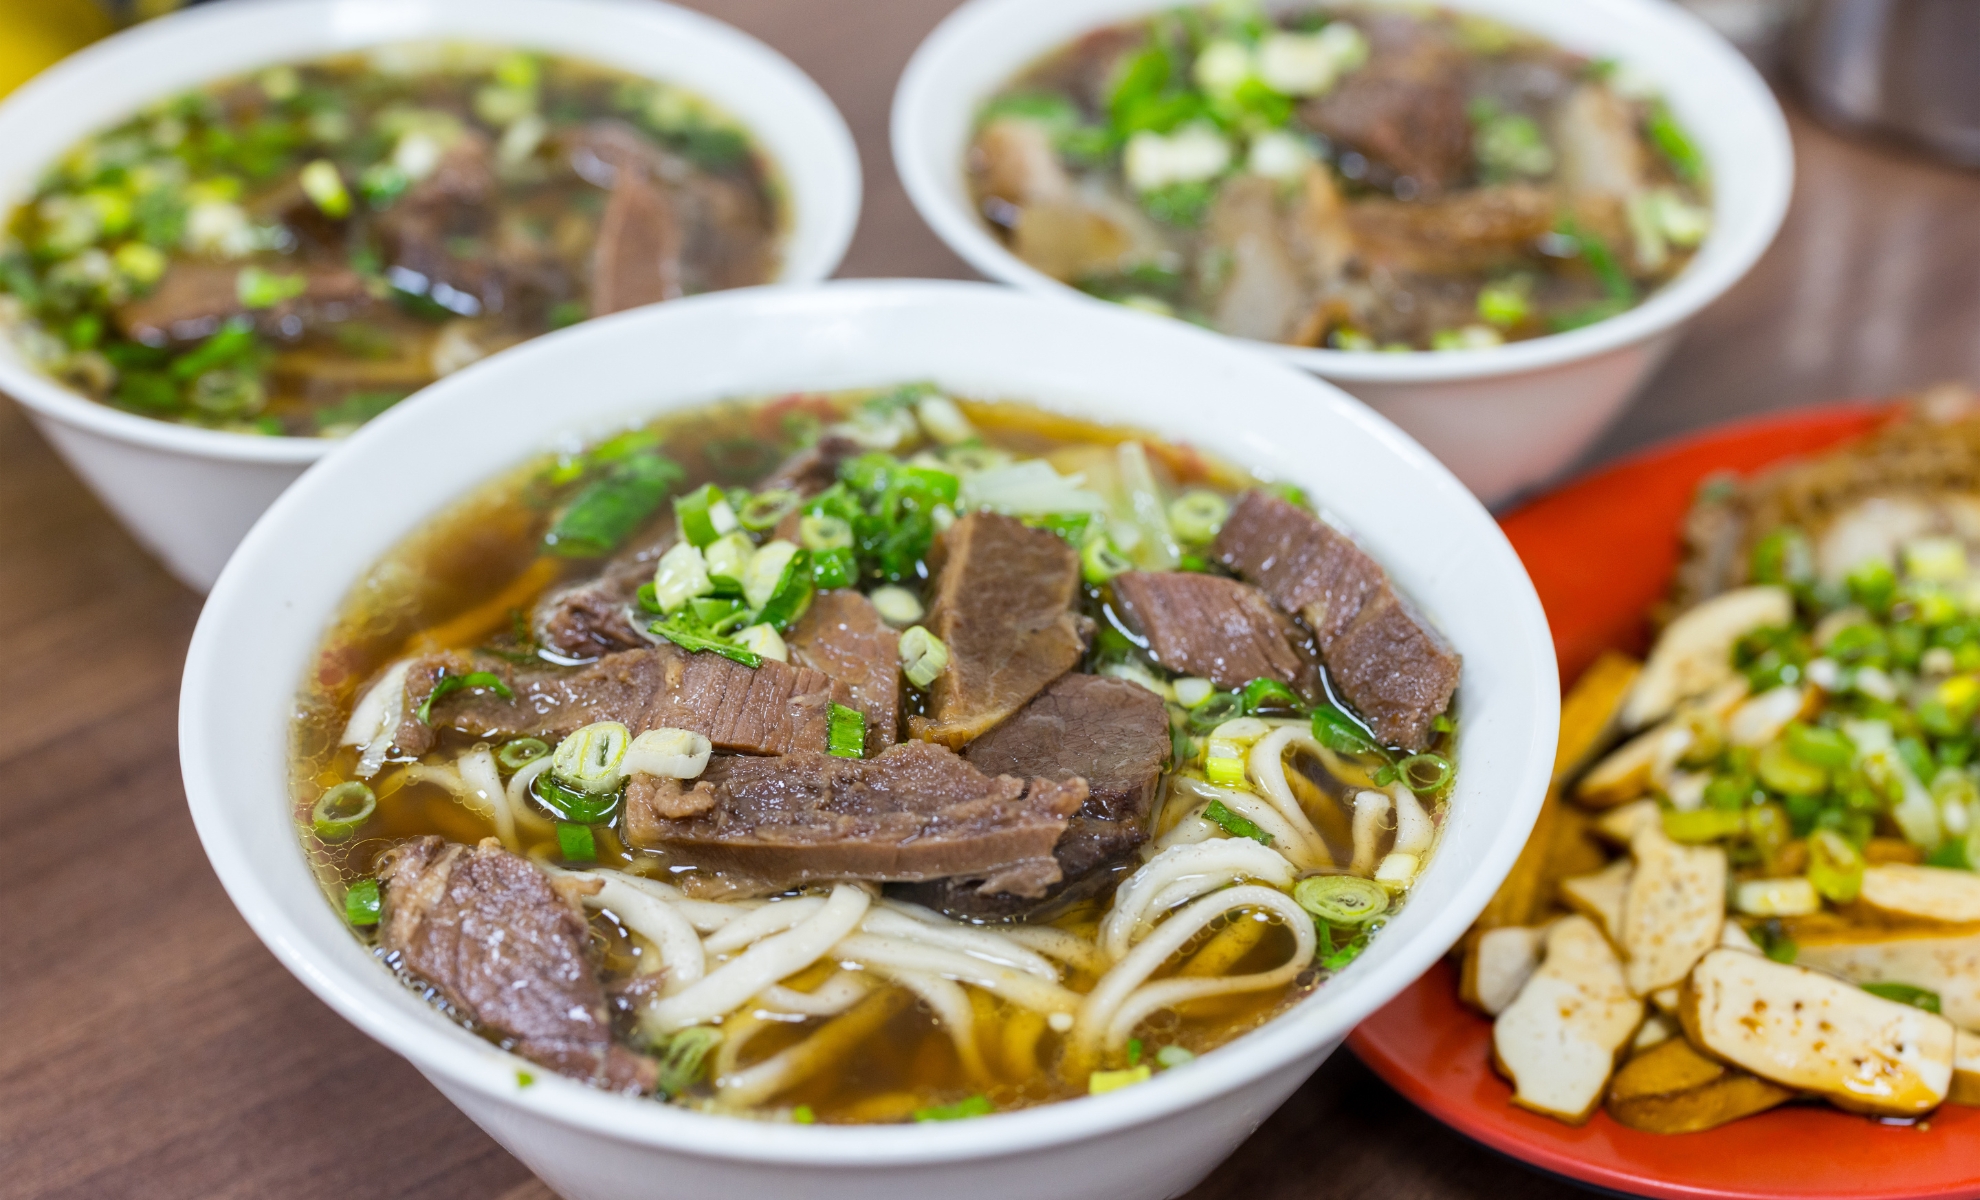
(607, 511)
(679, 632)
(1342, 734)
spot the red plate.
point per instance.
(1600, 551)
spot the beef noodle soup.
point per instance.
(1359, 178)
(294, 252)
(874, 756)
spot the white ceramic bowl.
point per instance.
(188, 494)
(272, 605)
(1505, 418)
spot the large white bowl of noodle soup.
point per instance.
(189, 494)
(269, 611)
(1504, 418)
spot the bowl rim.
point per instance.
(1720, 263)
(1530, 690)
(41, 102)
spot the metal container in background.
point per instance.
(1907, 69)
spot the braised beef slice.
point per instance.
(448, 209)
(1404, 109)
(915, 812)
(1479, 229)
(1384, 656)
(1110, 733)
(771, 709)
(842, 635)
(637, 259)
(195, 297)
(812, 469)
(498, 940)
(1214, 627)
(1003, 606)
(595, 616)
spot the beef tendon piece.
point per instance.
(1109, 733)
(1003, 606)
(842, 635)
(916, 812)
(770, 709)
(509, 951)
(1384, 656)
(1214, 627)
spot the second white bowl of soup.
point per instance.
(406, 748)
(238, 233)
(1488, 219)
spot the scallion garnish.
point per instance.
(515, 755)
(583, 808)
(975, 1106)
(1341, 899)
(1340, 733)
(923, 656)
(763, 510)
(684, 1058)
(792, 594)
(1904, 993)
(1214, 711)
(1217, 814)
(695, 641)
(575, 843)
(1099, 561)
(447, 685)
(1425, 774)
(834, 569)
(1269, 695)
(605, 513)
(845, 732)
(341, 810)
(1196, 516)
(362, 904)
(701, 514)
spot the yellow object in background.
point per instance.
(36, 33)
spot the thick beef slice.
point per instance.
(637, 259)
(420, 229)
(772, 709)
(1214, 627)
(195, 297)
(916, 812)
(842, 635)
(1003, 606)
(509, 951)
(595, 616)
(1385, 657)
(1110, 733)
(1404, 109)
(812, 469)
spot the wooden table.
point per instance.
(153, 1048)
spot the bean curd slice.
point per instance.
(1599, 896)
(1905, 892)
(1672, 1088)
(1815, 1033)
(1559, 1041)
(1673, 909)
(1947, 965)
(1694, 655)
(1497, 965)
(1966, 1069)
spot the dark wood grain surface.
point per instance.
(149, 1046)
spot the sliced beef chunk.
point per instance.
(842, 635)
(637, 259)
(195, 297)
(508, 950)
(772, 709)
(1003, 606)
(814, 468)
(1404, 110)
(1110, 733)
(915, 812)
(1479, 229)
(594, 616)
(438, 213)
(1218, 628)
(1384, 656)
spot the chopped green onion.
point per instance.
(1506, 302)
(1219, 708)
(447, 685)
(976, 1106)
(802, 1115)
(792, 588)
(763, 510)
(1197, 516)
(822, 531)
(1333, 958)
(1134, 1052)
(525, 1079)
(1101, 1082)
(1265, 694)
(256, 288)
(1789, 774)
(684, 1058)
(833, 569)
(1783, 556)
(1674, 144)
(589, 758)
(1904, 993)
(1834, 866)
(325, 188)
(769, 570)
(702, 513)
(606, 513)
(923, 656)
(680, 576)
(896, 605)
(1223, 764)
(1829, 748)
(694, 641)
(845, 732)
(362, 904)
(572, 804)
(1340, 733)
(1217, 814)
(1601, 260)
(341, 810)
(763, 639)
(575, 843)
(1192, 690)
(1099, 561)
(515, 755)
(1425, 774)
(1775, 943)
(648, 597)
(1702, 825)
(1341, 899)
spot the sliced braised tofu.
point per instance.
(1665, 999)
(1672, 1088)
(1673, 910)
(1599, 896)
(1497, 965)
(1694, 655)
(1966, 1069)
(1947, 964)
(1619, 825)
(1629, 772)
(1559, 1040)
(1810, 1031)
(1655, 1030)
(1914, 893)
